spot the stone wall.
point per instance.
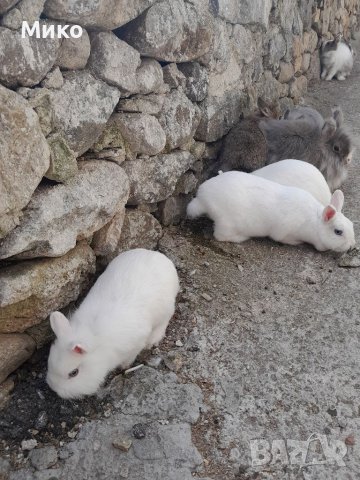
(105, 137)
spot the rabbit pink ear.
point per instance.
(60, 325)
(337, 199)
(77, 348)
(328, 213)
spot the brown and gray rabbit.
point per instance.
(306, 113)
(245, 146)
(328, 148)
(337, 59)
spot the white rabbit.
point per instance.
(296, 173)
(337, 59)
(244, 206)
(127, 310)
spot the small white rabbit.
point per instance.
(296, 173)
(337, 59)
(243, 205)
(127, 310)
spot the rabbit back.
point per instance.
(297, 173)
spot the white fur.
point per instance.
(296, 173)
(127, 310)
(337, 62)
(243, 205)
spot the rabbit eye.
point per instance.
(336, 148)
(338, 232)
(74, 373)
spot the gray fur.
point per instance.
(306, 113)
(245, 146)
(328, 148)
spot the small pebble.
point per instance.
(179, 343)
(107, 413)
(72, 434)
(240, 267)
(123, 445)
(206, 297)
(350, 440)
(192, 273)
(28, 444)
(154, 362)
(138, 431)
(206, 264)
(41, 421)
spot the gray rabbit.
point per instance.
(245, 146)
(328, 148)
(337, 59)
(306, 113)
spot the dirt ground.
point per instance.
(258, 377)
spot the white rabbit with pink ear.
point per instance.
(126, 311)
(243, 206)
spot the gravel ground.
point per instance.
(257, 378)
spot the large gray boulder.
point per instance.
(219, 114)
(114, 61)
(58, 216)
(141, 132)
(15, 349)
(107, 14)
(24, 11)
(5, 5)
(74, 52)
(154, 179)
(25, 61)
(246, 11)
(24, 157)
(82, 107)
(172, 31)
(29, 291)
(179, 118)
(129, 229)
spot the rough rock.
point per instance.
(271, 89)
(179, 119)
(246, 11)
(286, 72)
(58, 216)
(43, 458)
(40, 100)
(25, 11)
(63, 164)
(219, 114)
(173, 210)
(136, 229)
(114, 61)
(74, 52)
(172, 76)
(6, 388)
(105, 240)
(197, 80)
(310, 41)
(53, 79)
(298, 87)
(23, 149)
(171, 31)
(25, 61)
(154, 179)
(107, 14)
(29, 291)
(149, 76)
(5, 5)
(81, 109)
(15, 349)
(151, 104)
(187, 183)
(244, 44)
(141, 132)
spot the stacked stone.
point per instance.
(105, 137)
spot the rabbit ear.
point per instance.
(329, 212)
(60, 325)
(78, 348)
(328, 129)
(338, 116)
(264, 107)
(337, 199)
